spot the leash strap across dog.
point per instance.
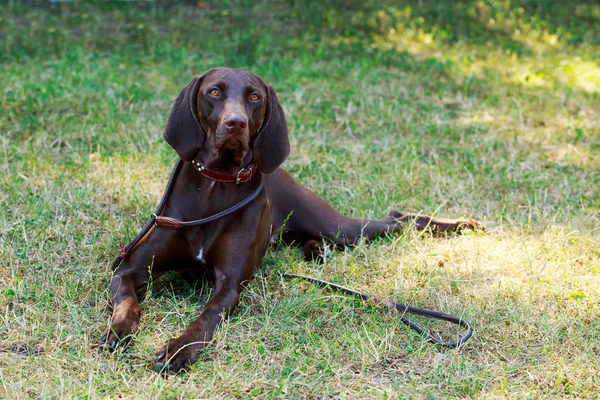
(401, 308)
(158, 221)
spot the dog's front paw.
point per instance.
(176, 356)
(118, 336)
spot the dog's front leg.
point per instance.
(178, 354)
(152, 257)
(126, 309)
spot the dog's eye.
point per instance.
(214, 92)
(254, 97)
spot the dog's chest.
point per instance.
(200, 256)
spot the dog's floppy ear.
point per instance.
(272, 146)
(183, 131)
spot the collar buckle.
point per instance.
(245, 171)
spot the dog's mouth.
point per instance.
(231, 150)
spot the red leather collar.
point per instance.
(244, 174)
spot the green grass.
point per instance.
(484, 109)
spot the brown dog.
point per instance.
(230, 131)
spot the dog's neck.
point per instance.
(223, 163)
(200, 197)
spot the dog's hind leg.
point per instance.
(300, 213)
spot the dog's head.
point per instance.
(231, 116)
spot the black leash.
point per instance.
(403, 309)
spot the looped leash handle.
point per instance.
(403, 309)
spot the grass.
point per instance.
(483, 109)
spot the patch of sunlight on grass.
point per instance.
(476, 117)
(527, 77)
(564, 139)
(578, 73)
(572, 154)
(127, 177)
(44, 175)
(573, 73)
(549, 64)
(538, 41)
(414, 41)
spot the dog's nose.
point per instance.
(235, 123)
